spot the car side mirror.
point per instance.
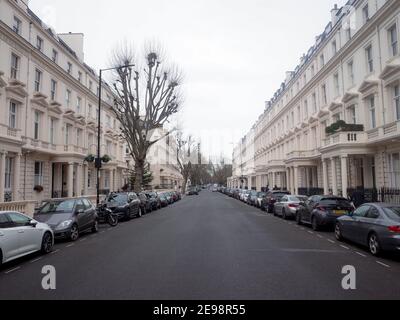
(80, 211)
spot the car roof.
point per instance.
(382, 205)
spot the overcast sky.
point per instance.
(234, 54)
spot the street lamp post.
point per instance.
(98, 162)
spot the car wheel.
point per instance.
(139, 214)
(314, 224)
(47, 243)
(298, 219)
(74, 233)
(284, 216)
(338, 232)
(374, 244)
(95, 227)
(1, 258)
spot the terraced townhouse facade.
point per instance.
(48, 113)
(334, 124)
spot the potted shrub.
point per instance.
(38, 189)
(90, 158)
(106, 158)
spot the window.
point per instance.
(348, 33)
(336, 83)
(312, 71)
(394, 49)
(108, 121)
(38, 173)
(336, 118)
(52, 130)
(361, 211)
(396, 92)
(370, 59)
(69, 67)
(314, 103)
(8, 173)
(365, 13)
(68, 97)
(372, 111)
(78, 136)
(78, 105)
(38, 80)
(334, 47)
(322, 60)
(90, 111)
(89, 177)
(12, 118)
(373, 213)
(305, 79)
(18, 220)
(80, 76)
(305, 116)
(53, 89)
(39, 43)
(54, 56)
(90, 86)
(36, 125)
(15, 62)
(350, 71)
(395, 168)
(17, 25)
(67, 133)
(351, 112)
(324, 95)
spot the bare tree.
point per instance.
(186, 156)
(146, 99)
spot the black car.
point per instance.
(154, 200)
(126, 205)
(323, 211)
(145, 203)
(163, 200)
(270, 198)
(68, 218)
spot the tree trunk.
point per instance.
(185, 180)
(139, 171)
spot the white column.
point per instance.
(296, 180)
(79, 176)
(70, 180)
(17, 178)
(288, 182)
(345, 182)
(325, 176)
(273, 180)
(293, 190)
(334, 177)
(112, 180)
(2, 174)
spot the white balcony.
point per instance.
(10, 133)
(343, 138)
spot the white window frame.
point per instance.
(12, 117)
(396, 98)
(39, 43)
(53, 89)
(54, 56)
(15, 64)
(38, 80)
(393, 40)
(38, 174)
(369, 55)
(372, 111)
(52, 130)
(36, 125)
(17, 24)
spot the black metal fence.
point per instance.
(309, 192)
(387, 195)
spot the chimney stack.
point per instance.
(334, 13)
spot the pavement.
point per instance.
(206, 247)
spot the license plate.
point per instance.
(340, 212)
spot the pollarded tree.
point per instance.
(147, 97)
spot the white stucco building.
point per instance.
(350, 79)
(48, 112)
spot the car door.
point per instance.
(81, 215)
(353, 227)
(367, 223)
(309, 207)
(279, 205)
(90, 211)
(30, 238)
(9, 238)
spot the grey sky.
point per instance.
(234, 54)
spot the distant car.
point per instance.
(244, 195)
(154, 199)
(145, 203)
(270, 198)
(68, 218)
(252, 198)
(374, 225)
(169, 197)
(260, 197)
(192, 192)
(323, 211)
(21, 235)
(163, 200)
(125, 204)
(288, 205)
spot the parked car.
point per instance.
(125, 204)
(270, 198)
(374, 225)
(154, 200)
(169, 197)
(245, 195)
(288, 205)
(163, 200)
(21, 235)
(145, 204)
(322, 211)
(252, 199)
(68, 218)
(260, 197)
(192, 192)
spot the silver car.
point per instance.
(375, 225)
(287, 206)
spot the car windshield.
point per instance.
(298, 199)
(393, 212)
(118, 198)
(336, 202)
(58, 207)
(279, 194)
(261, 194)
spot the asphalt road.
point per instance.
(205, 247)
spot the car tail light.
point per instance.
(293, 205)
(395, 229)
